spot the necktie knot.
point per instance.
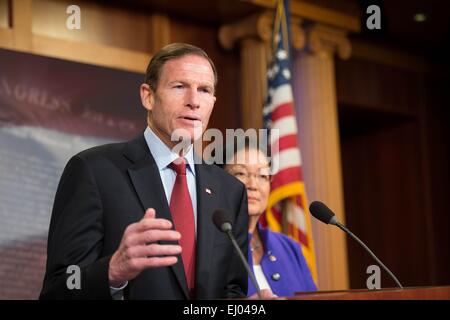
(179, 166)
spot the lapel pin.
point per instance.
(208, 190)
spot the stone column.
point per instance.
(254, 37)
(316, 107)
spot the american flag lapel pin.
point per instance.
(208, 190)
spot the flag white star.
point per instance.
(286, 73)
(282, 54)
(275, 69)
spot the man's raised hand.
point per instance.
(139, 250)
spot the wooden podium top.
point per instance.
(414, 293)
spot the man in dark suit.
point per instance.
(136, 217)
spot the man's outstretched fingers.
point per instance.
(155, 262)
(150, 236)
(158, 250)
(155, 223)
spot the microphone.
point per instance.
(321, 212)
(222, 221)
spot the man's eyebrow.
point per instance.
(207, 86)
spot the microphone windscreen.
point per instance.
(221, 218)
(321, 212)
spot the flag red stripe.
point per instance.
(302, 237)
(285, 142)
(276, 214)
(292, 231)
(286, 176)
(282, 110)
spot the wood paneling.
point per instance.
(395, 155)
(383, 193)
(91, 53)
(314, 12)
(436, 115)
(424, 293)
(25, 36)
(21, 23)
(387, 57)
(378, 86)
(205, 12)
(100, 24)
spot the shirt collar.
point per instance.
(163, 155)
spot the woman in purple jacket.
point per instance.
(278, 262)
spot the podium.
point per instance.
(413, 293)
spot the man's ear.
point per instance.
(147, 96)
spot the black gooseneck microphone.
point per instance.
(222, 221)
(321, 212)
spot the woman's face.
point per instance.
(252, 168)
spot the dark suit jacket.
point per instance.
(103, 190)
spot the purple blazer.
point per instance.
(283, 265)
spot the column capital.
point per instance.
(330, 40)
(258, 26)
(298, 37)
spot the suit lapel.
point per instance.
(145, 177)
(207, 193)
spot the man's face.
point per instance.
(183, 100)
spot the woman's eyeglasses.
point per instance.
(244, 175)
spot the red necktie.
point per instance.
(183, 218)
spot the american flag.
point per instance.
(287, 209)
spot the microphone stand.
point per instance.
(343, 228)
(247, 267)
